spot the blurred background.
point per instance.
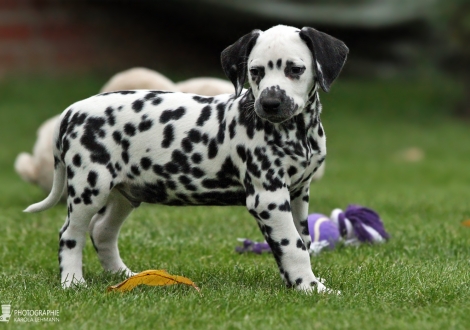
(183, 38)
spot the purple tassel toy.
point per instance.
(250, 246)
(354, 226)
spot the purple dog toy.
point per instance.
(354, 226)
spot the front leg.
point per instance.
(299, 206)
(277, 225)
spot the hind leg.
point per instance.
(85, 199)
(104, 231)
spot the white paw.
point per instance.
(319, 287)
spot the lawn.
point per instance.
(420, 279)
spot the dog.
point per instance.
(258, 147)
(38, 167)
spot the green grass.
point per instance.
(418, 280)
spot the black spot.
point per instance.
(70, 243)
(221, 133)
(292, 171)
(184, 179)
(63, 128)
(272, 183)
(157, 169)
(110, 116)
(181, 160)
(92, 177)
(92, 129)
(168, 115)
(145, 162)
(205, 138)
(285, 207)
(298, 281)
(270, 65)
(125, 144)
(204, 116)
(77, 160)
(251, 166)
(194, 136)
(247, 183)
(196, 158)
(129, 129)
(187, 145)
(150, 96)
(102, 210)
(87, 193)
(77, 200)
(70, 172)
(301, 245)
(241, 152)
(117, 136)
(168, 136)
(212, 149)
(284, 242)
(203, 100)
(71, 191)
(263, 158)
(320, 130)
(264, 215)
(197, 172)
(137, 105)
(220, 112)
(231, 128)
(135, 170)
(279, 63)
(125, 157)
(145, 125)
(157, 101)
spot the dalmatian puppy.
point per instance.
(258, 147)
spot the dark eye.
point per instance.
(254, 71)
(297, 70)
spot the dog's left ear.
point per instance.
(329, 55)
(234, 59)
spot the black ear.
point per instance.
(329, 55)
(234, 59)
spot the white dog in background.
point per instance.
(38, 168)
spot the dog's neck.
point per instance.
(300, 130)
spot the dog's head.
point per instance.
(282, 65)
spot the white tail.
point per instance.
(54, 195)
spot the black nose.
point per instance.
(270, 104)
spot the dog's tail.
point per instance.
(54, 195)
(60, 176)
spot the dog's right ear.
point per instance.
(234, 59)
